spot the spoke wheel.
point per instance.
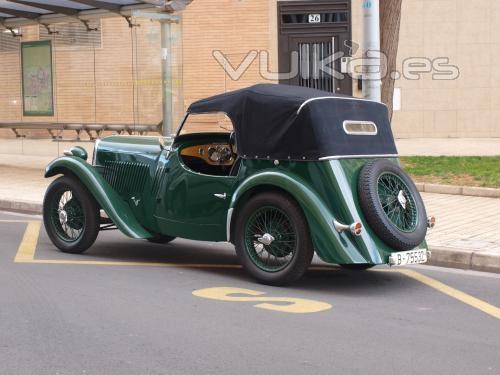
(270, 239)
(397, 202)
(392, 205)
(67, 215)
(70, 215)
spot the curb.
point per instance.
(25, 207)
(466, 259)
(458, 190)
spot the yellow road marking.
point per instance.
(27, 248)
(455, 293)
(294, 306)
(26, 251)
(147, 264)
(131, 264)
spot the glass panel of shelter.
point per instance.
(70, 81)
(152, 87)
(106, 78)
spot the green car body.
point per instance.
(293, 172)
(145, 189)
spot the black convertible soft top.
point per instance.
(290, 122)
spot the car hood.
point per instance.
(134, 144)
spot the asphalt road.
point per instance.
(130, 307)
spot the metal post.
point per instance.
(166, 70)
(372, 80)
(166, 20)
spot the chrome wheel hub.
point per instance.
(266, 239)
(63, 217)
(270, 252)
(402, 199)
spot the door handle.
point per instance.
(221, 196)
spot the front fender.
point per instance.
(329, 244)
(109, 200)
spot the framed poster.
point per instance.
(36, 68)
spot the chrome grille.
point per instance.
(127, 178)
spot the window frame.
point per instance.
(184, 120)
(350, 132)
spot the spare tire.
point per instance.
(392, 205)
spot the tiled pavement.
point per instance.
(21, 178)
(464, 222)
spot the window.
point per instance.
(360, 127)
(216, 122)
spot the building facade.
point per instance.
(448, 78)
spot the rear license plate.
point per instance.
(408, 257)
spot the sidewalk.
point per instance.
(21, 178)
(467, 234)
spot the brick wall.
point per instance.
(127, 77)
(234, 27)
(10, 87)
(121, 81)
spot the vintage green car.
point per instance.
(279, 171)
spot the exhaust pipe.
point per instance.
(355, 228)
(431, 222)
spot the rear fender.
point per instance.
(109, 200)
(329, 244)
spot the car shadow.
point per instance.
(126, 250)
(379, 280)
(212, 258)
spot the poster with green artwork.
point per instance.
(36, 61)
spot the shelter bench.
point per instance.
(93, 130)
